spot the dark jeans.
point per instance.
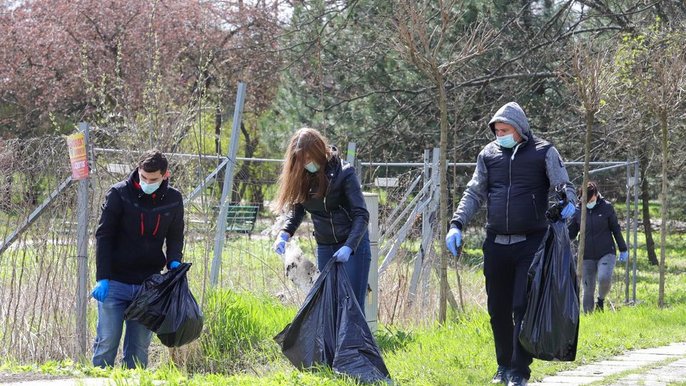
(111, 324)
(357, 267)
(506, 268)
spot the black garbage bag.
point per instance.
(550, 328)
(330, 329)
(166, 306)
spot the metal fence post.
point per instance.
(372, 306)
(427, 233)
(635, 243)
(220, 235)
(82, 256)
(351, 157)
(628, 230)
(350, 153)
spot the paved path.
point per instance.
(650, 367)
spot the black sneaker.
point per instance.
(517, 380)
(500, 375)
(600, 304)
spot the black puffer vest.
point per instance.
(518, 187)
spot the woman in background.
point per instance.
(599, 249)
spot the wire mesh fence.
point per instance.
(37, 271)
(38, 268)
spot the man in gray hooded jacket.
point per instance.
(513, 175)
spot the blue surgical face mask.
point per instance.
(312, 167)
(150, 188)
(506, 141)
(591, 205)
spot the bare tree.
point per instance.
(426, 37)
(660, 75)
(591, 79)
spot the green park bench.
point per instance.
(241, 218)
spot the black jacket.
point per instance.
(341, 215)
(513, 182)
(132, 229)
(601, 225)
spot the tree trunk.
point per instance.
(647, 226)
(5, 192)
(218, 130)
(664, 208)
(244, 173)
(590, 117)
(218, 141)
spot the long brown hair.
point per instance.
(295, 182)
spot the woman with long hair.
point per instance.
(316, 180)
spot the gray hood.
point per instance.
(511, 113)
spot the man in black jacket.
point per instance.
(138, 216)
(599, 250)
(513, 176)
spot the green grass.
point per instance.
(238, 332)
(461, 352)
(237, 346)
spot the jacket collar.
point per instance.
(333, 166)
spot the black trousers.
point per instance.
(505, 269)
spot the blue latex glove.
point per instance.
(101, 289)
(453, 240)
(343, 254)
(568, 211)
(280, 243)
(173, 264)
(623, 255)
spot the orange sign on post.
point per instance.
(78, 156)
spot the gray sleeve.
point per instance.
(557, 173)
(474, 196)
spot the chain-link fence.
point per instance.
(38, 267)
(37, 270)
(409, 287)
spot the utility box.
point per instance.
(372, 302)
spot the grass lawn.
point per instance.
(237, 347)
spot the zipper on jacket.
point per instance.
(507, 201)
(509, 187)
(333, 229)
(346, 212)
(156, 225)
(533, 201)
(142, 225)
(589, 219)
